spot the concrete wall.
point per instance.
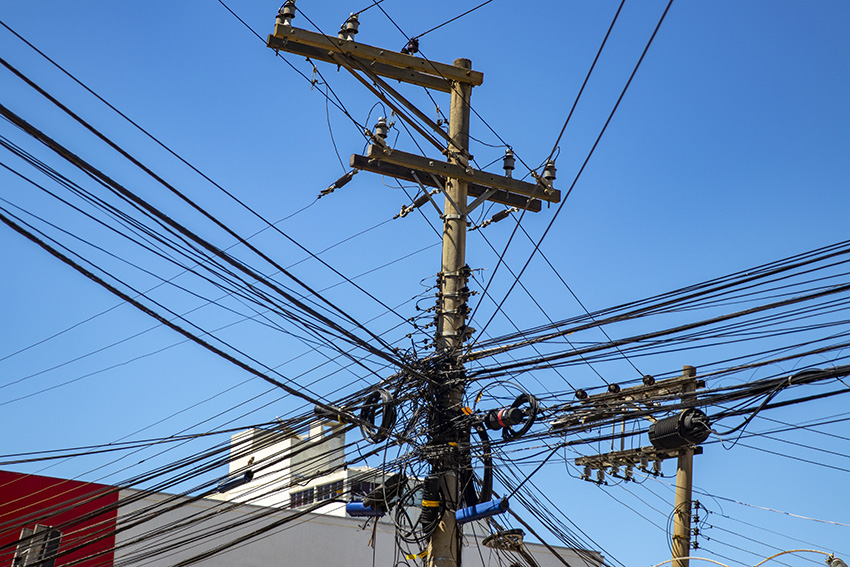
(314, 540)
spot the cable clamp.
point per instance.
(464, 272)
(455, 294)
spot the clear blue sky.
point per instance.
(730, 149)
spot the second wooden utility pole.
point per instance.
(684, 484)
(444, 544)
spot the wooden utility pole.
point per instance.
(444, 545)
(684, 486)
(452, 316)
(449, 436)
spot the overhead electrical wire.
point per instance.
(756, 396)
(642, 308)
(450, 20)
(121, 190)
(269, 224)
(566, 195)
(584, 164)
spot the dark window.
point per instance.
(301, 498)
(38, 546)
(328, 491)
(362, 488)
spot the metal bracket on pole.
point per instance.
(481, 198)
(446, 193)
(428, 193)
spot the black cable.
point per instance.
(566, 195)
(452, 19)
(79, 162)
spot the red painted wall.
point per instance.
(26, 500)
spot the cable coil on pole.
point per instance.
(380, 402)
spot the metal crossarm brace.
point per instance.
(427, 193)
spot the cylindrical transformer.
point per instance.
(690, 427)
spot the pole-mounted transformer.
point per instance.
(690, 427)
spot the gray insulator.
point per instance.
(381, 129)
(286, 13)
(350, 28)
(549, 172)
(508, 162)
(501, 215)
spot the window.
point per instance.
(301, 498)
(328, 491)
(38, 546)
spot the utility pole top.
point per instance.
(387, 63)
(448, 487)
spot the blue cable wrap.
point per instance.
(359, 510)
(481, 511)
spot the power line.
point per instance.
(452, 19)
(584, 164)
